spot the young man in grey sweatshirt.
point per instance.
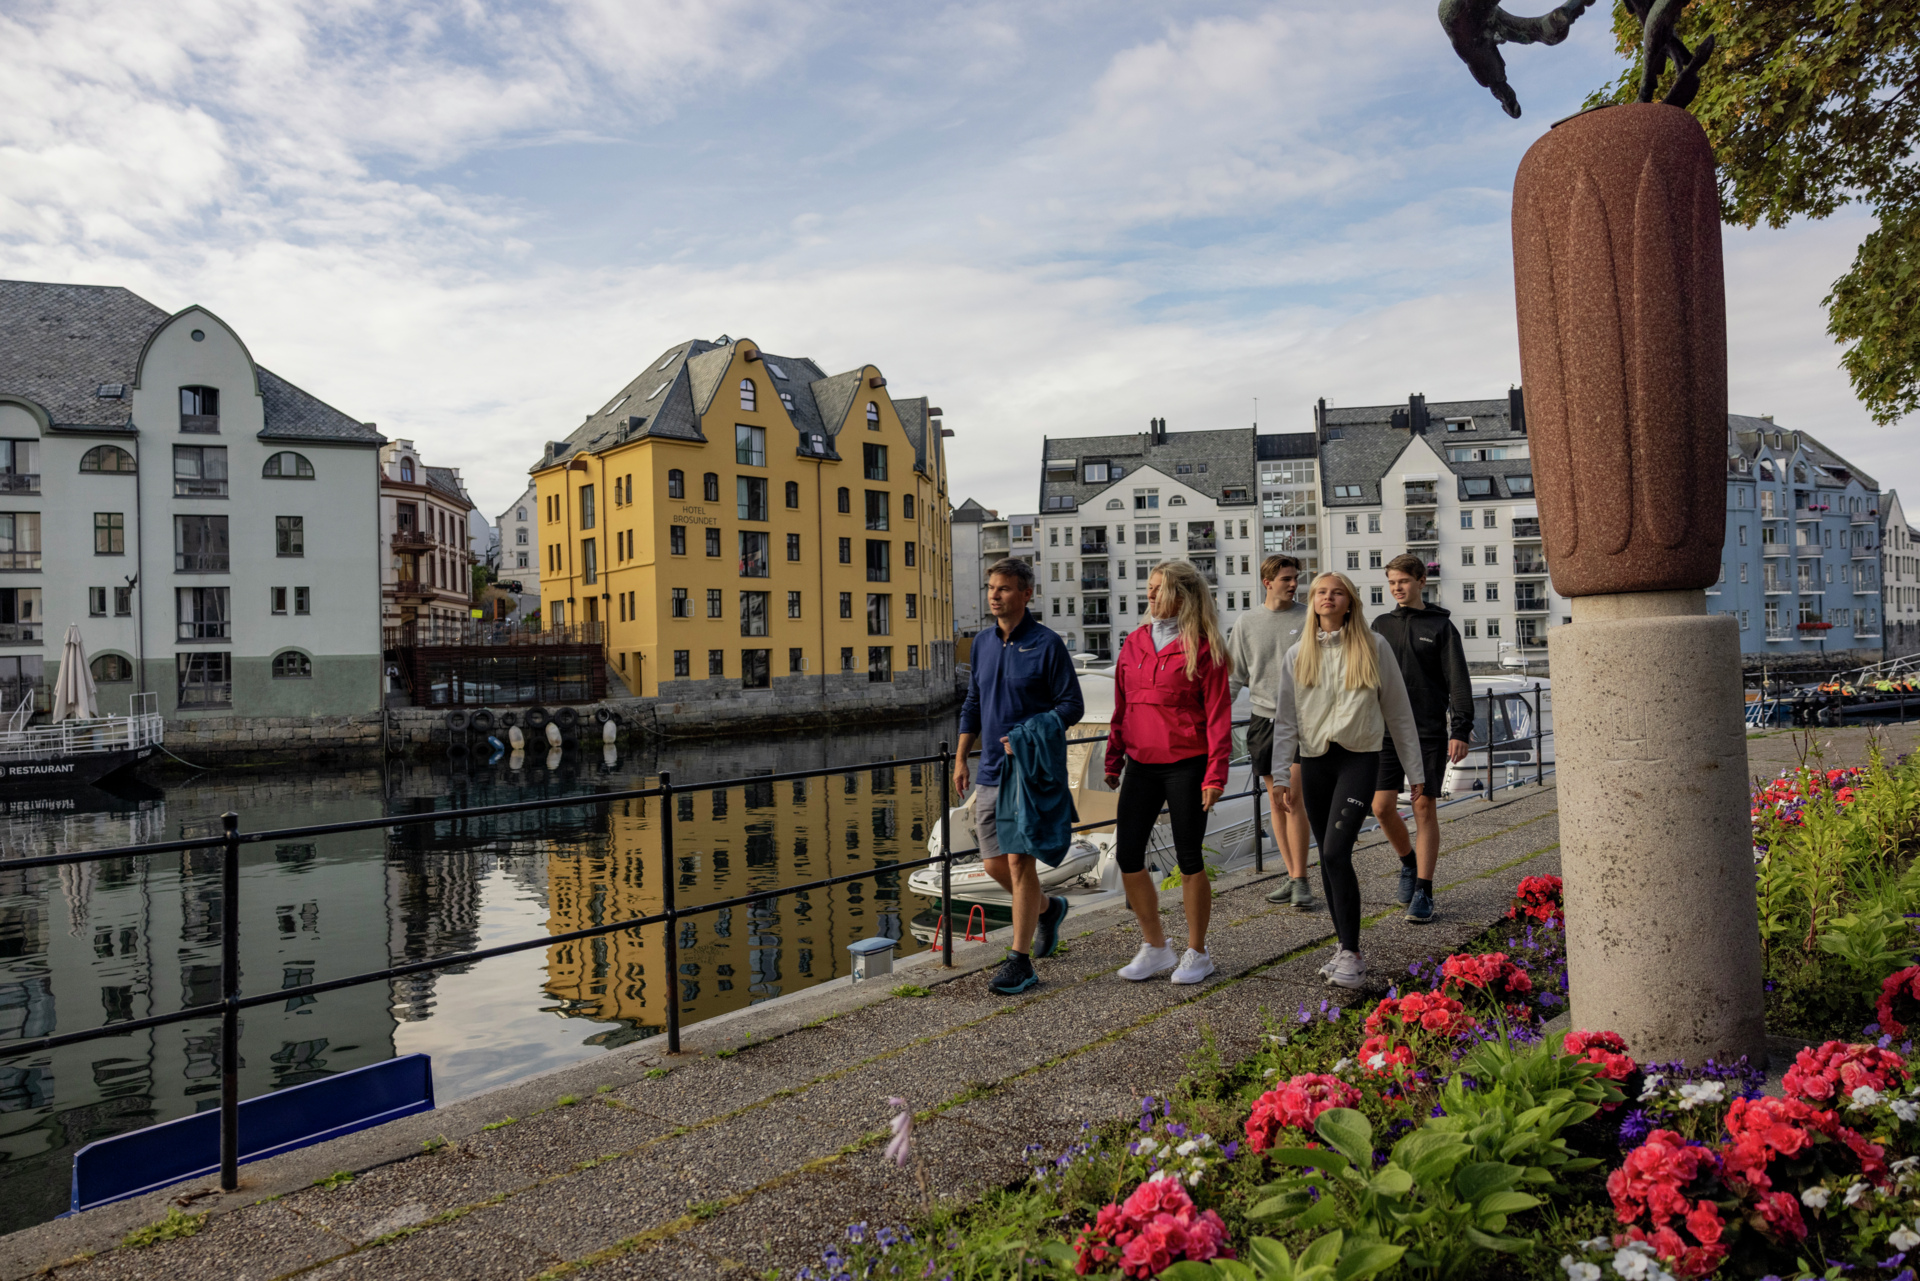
(1259, 640)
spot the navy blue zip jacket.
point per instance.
(1034, 813)
(1021, 676)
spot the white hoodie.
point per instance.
(1327, 712)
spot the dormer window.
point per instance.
(406, 471)
(747, 395)
(873, 415)
(200, 409)
(786, 398)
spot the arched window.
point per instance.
(906, 506)
(112, 667)
(406, 470)
(1114, 505)
(676, 483)
(287, 465)
(1176, 501)
(793, 493)
(1766, 470)
(746, 393)
(873, 415)
(846, 499)
(107, 458)
(710, 485)
(292, 665)
(519, 513)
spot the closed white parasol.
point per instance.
(74, 695)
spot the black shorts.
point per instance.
(1433, 759)
(1260, 747)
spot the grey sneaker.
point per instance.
(1332, 961)
(1348, 970)
(1194, 967)
(1408, 874)
(1302, 895)
(1420, 910)
(1282, 893)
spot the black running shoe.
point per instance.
(1046, 935)
(1014, 976)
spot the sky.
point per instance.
(474, 222)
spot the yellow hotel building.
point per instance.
(742, 522)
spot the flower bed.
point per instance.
(1437, 1133)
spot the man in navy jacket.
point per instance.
(1020, 669)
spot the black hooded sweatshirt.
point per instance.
(1435, 667)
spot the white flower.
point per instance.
(1906, 1112)
(1855, 1192)
(1651, 1086)
(1157, 1175)
(1342, 1066)
(1635, 1262)
(1905, 1163)
(1205, 1140)
(1377, 1062)
(1188, 1148)
(1815, 1198)
(1903, 1238)
(1272, 1072)
(1864, 1096)
(1146, 1147)
(1596, 1243)
(1698, 1093)
(1277, 1038)
(1579, 1269)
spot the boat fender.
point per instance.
(553, 736)
(568, 717)
(553, 759)
(604, 715)
(482, 720)
(609, 732)
(496, 744)
(457, 721)
(509, 719)
(536, 719)
(516, 738)
(609, 755)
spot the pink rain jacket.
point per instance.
(1160, 716)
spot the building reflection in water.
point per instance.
(125, 938)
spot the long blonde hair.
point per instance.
(1363, 659)
(1195, 614)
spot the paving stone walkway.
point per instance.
(756, 1146)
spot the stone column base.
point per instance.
(1663, 941)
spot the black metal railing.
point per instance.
(231, 838)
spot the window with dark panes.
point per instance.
(109, 534)
(716, 662)
(677, 539)
(875, 459)
(878, 501)
(906, 506)
(879, 561)
(793, 493)
(754, 557)
(793, 604)
(681, 609)
(846, 551)
(289, 536)
(844, 500)
(756, 668)
(793, 547)
(683, 662)
(879, 664)
(200, 544)
(204, 613)
(200, 409)
(586, 507)
(206, 679)
(879, 614)
(750, 446)
(713, 542)
(676, 483)
(796, 663)
(19, 540)
(303, 600)
(751, 492)
(753, 613)
(846, 604)
(710, 486)
(913, 605)
(589, 561)
(907, 551)
(714, 607)
(200, 471)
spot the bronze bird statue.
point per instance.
(1479, 27)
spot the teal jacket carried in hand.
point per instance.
(1034, 813)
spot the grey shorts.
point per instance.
(984, 824)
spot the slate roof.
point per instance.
(1227, 454)
(687, 378)
(59, 343)
(1744, 433)
(972, 513)
(447, 481)
(1371, 439)
(1270, 445)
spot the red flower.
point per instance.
(1605, 1050)
(1490, 972)
(1297, 1103)
(1780, 1214)
(1156, 1227)
(1835, 1070)
(1540, 898)
(1391, 1058)
(1901, 983)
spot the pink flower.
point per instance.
(901, 1147)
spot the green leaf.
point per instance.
(1506, 1203)
(1188, 1270)
(1323, 1252)
(1271, 1258)
(1483, 1177)
(1365, 1259)
(1505, 1245)
(1392, 1182)
(1289, 1203)
(1348, 1133)
(1060, 1254)
(1309, 1158)
(1430, 1155)
(1322, 1212)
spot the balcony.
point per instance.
(1807, 549)
(17, 482)
(1093, 583)
(1529, 603)
(1095, 547)
(200, 562)
(993, 546)
(1423, 495)
(1529, 563)
(1863, 589)
(1200, 542)
(194, 487)
(203, 424)
(1865, 553)
(1773, 549)
(1433, 571)
(1774, 587)
(1091, 619)
(20, 633)
(1865, 518)
(412, 589)
(412, 540)
(1810, 589)
(1423, 532)
(1526, 527)
(1778, 633)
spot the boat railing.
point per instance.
(22, 714)
(83, 736)
(144, 727)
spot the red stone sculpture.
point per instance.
(1623, 349)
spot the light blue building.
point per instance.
(1800, 568)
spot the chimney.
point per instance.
(1320, 418)
(1417, 414)
(1517, 410)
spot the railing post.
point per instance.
(666, 905)
(1262, 806)
(1539, 739)
(1490, 742)
(230, 996)
(946, 850)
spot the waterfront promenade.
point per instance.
(757, 1146)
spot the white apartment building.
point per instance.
(1452, 482)
(979, 539)
(212, 528)
(1113, 506)
(1900, 578)
(1290, 496)
(519, 530)
(427, 574)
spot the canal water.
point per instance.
(84, 947)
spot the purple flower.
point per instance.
(900, 1149)
(1633, 1128)
(857, 1232)
(1231, 1150)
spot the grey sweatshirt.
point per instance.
(1259, 640)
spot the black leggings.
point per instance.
(1143, 788)
(1338, 788)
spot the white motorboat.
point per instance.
(1518, 729)
(1089, 867)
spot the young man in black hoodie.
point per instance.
(1435, 667)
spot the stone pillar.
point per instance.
(1662, 931)
(1622, 312)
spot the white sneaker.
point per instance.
(1332, 961)
(1194, 967)
(1349, 969)
(1149, 961)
